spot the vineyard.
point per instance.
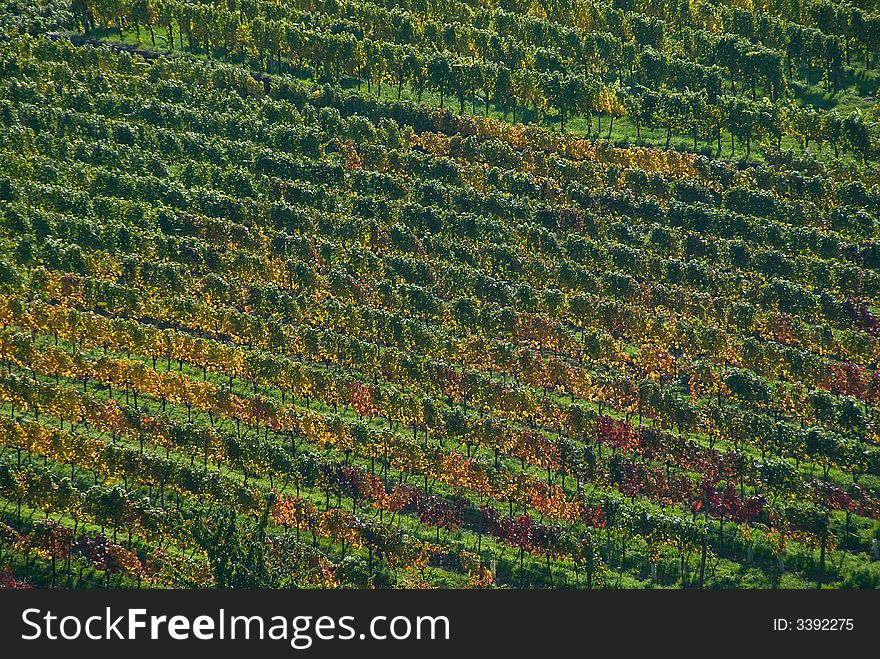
(439, 294)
